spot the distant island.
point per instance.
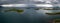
(15, 10)
(54, 13)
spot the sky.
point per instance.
(27, 1)
(30, 1)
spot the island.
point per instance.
(54, 13)
(15, 10)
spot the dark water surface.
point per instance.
(29, 16)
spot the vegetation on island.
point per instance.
(14, 9)
(53, 13)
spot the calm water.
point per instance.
(28, 16)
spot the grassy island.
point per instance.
(53, 13)
(14, 9)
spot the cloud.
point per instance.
(43, 5)
(25, 1)
(38, 0)
(14, 5)
(47, 2)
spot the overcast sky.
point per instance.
(29, 1)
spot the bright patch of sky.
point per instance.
(43, 5)
(38, 0)
(47, 2)
(25, 5)
(14, 5)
